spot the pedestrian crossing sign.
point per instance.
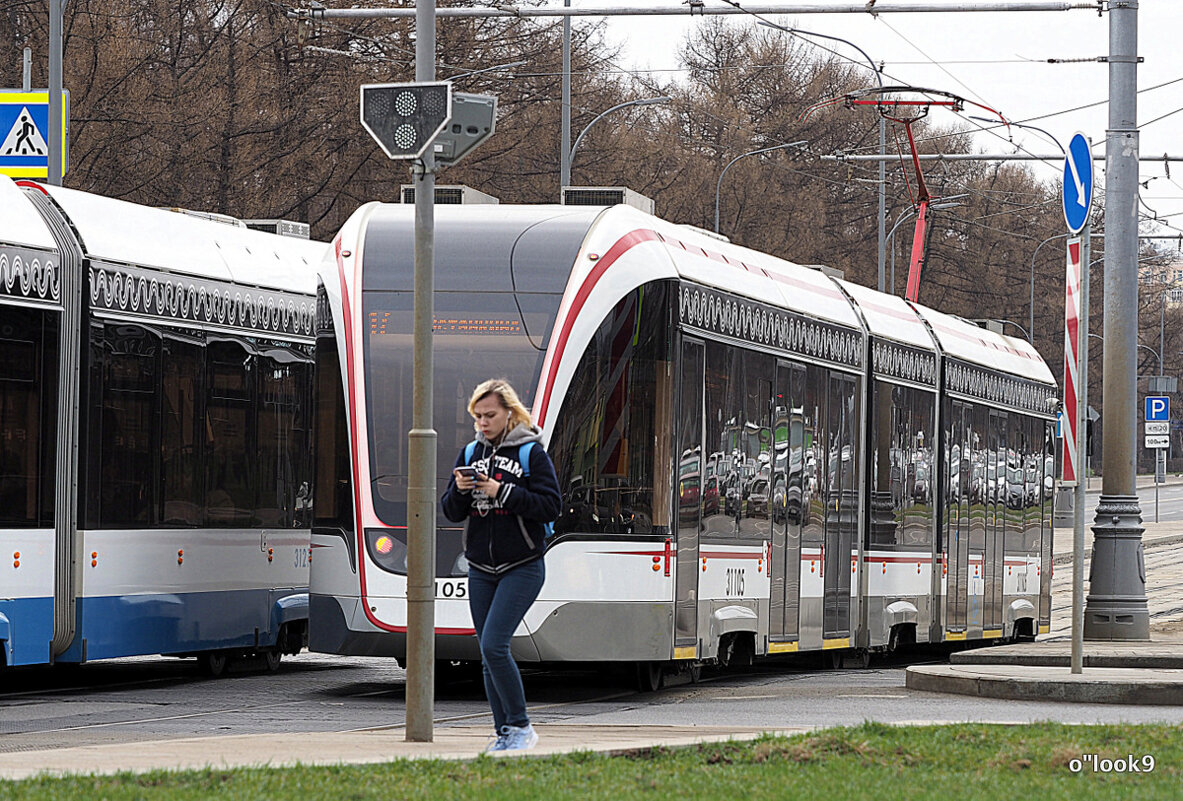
(24, 133)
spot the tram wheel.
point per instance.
(832, 660)
(213, 663)
(272, 658)
(865, 656)
(650, 676)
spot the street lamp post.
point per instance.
(648, 101)
(1026, 335)
(881, 259)
(1031, 302)
(719, 183)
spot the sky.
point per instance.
(998, 59)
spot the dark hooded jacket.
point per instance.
(509, 530)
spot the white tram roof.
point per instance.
(890, 317)
(981, 346)
(20, 223)
(702, 258)
(127, 233)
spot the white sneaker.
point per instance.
(519, 739)
(499, 743)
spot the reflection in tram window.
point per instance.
(902, 428)
(814, 472)
(609, 471)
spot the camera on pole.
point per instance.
(406, 119)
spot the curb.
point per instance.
(1154, 661)
(1155, 542)
(1052, 684)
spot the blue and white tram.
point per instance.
(155, 432)
(755, 458)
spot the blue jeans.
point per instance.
(498, 604)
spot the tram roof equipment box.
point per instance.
(300, 230)
(455, 195)
(606, 196)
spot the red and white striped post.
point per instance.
(1075, 329)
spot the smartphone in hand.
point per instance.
(468, 472)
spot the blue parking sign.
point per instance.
(1158, 407)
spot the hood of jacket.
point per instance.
(517, 436)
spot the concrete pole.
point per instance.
(565, 135)
(1116, 607)
(27, 71)
(55, 92)
(421, 489)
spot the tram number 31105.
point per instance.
(735, 581)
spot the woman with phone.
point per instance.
(504, 485)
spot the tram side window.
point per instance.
(28, 374)
(229, 469)
(180, 436)
(604, 445)
(283, 491)
(1033, 483)
(724, 481)
(128, 436)
(332, 505)
(815, 469)
(1012, 486)
(901, 467)
(755, 496)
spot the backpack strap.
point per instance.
(468, 451)
(524, 458)
(524, 461)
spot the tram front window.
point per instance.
(477, 336)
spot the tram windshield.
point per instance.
(477, 336)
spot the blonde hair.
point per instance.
(518, 413)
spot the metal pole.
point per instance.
(421, 489)
(27, 71)
(565, 134)
(861, 7)
(1116, 608)
(1058, 157)
(882, 203)
(55, 93)
(1081, 412)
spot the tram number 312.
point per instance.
(735, 581)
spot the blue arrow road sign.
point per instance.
(1078, 183)
(1158, 407)
(24, 133)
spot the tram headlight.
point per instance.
(388, 549)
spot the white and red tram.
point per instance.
(755, 458)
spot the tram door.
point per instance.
(842, 505)
(788, 453)
(996, 497)
(689, 500)
(957, 521)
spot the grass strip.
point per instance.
(1046, 761)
